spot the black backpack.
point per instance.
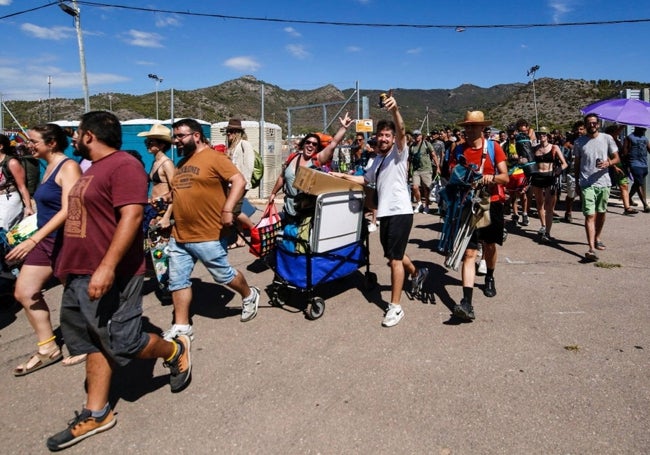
(32, 172)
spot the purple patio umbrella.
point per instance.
(621, 110)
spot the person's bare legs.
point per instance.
(98, 380)
(182, 299)
(549, 208)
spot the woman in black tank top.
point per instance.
(544, 182)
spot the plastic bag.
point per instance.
(263, 235)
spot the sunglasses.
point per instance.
(182, 135)
(312, 143)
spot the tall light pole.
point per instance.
(49, 98)
(531, 72)
(158, 81)
(75, 13)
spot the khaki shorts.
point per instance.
(422, 178)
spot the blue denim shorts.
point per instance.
(213, 255)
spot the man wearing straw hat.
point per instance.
(476, 152)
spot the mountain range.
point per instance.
(554, 103)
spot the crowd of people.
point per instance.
(90, 223)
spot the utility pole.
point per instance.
(531, 73)
(49, 98)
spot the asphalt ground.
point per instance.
(556, 363)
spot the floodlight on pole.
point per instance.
(531, 73)
(158, 81)
(76, 15)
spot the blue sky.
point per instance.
(123, 46)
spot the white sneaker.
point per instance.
(249, 305)
(372, 227)
(418, 208)
(394, 314)
(176, 330)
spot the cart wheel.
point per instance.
(371, 280)
(316, 308)
(278, 297)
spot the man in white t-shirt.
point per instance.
(389, 173)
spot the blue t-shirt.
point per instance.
(638, 152)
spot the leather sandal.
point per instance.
(38, 361)
(74, 360)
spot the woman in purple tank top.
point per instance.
(39, 252)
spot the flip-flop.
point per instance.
(74, 360)
(600, 245)
(43, 360)
(591, 256)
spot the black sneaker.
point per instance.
(525, 221)
(464, 311)
(180, 367)
(81, 427)
(489, 290)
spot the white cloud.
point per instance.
(167, 21)
(5, 2)
(27, 80)
(243, 63)
(143, 39)
(353, 49)
(50, 33)
(144, 63)
(560, 8)
(293, 32)
(364, 2)
(297, 50)
(414, 51)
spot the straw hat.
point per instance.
(158, 131)
(475, 118)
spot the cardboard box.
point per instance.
(312, 181)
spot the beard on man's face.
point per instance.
(187, 148)
(82, 150)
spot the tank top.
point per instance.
(48, 199)
(638, 154)
(545, 158)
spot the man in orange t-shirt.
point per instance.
(475, 151)
(205, 190)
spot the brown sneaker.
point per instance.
(81, 427)
(180, 367)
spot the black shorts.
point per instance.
(112, 324)
(492, 233)
(394, 232)
(542, 180)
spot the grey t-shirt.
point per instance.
(588, 150)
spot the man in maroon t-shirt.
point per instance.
(102, 267)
